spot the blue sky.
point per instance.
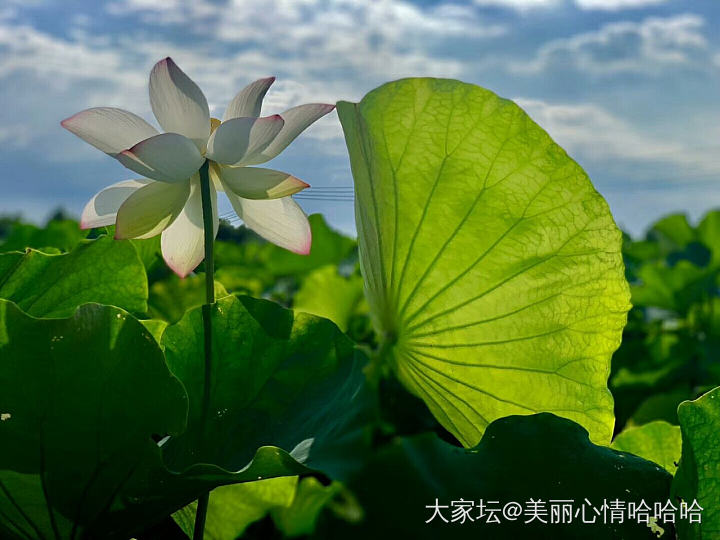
(630, 88)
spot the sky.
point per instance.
(630, 88)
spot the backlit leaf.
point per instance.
(492, 266)
(657, 441)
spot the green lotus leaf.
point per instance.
(148, 249)
(325, 293)
(105, 271)
(657, 441)
(540, 457)
(81, 398)
(84, 396)
(492, 266)
(698, 477)
(278, 378)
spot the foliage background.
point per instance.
(669, 354)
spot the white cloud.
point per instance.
(592, 133)
(321, 50)
(612, 5)
(647, 46)
(521, 5)
(605, 5)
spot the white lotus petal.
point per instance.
(167, 157)
(108, 129)
(248, 101)
(297, 120)
(239, 140)
(151, 209)
(214, 172)
(182, 243)
(259, 183)
(280, 221)
(178, 103)
(101, 210)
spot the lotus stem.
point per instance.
(209, 237)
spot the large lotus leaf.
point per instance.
(60, 235)
(657, 441)
(541, 457)
(491, 265)
(277, 378)
(325, 293)
(698, 477)
(103, 271)
(81, 398)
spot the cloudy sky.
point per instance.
(630, 88)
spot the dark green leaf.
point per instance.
(520, 457)
(278, 378)
(81, 398)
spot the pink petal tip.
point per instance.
(176, 269)
(305, 250)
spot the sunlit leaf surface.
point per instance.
(491, 265)
(657, 441)
(103, 271)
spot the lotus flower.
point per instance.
(167, 199)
